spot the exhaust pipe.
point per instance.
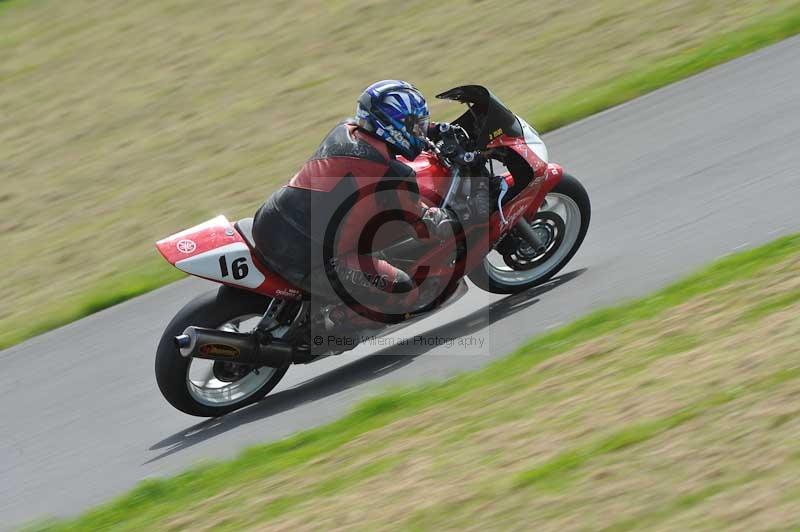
(213, 344)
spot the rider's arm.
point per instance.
(402, 180)
(416, 211)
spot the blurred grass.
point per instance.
(604, 433)
(126, 121)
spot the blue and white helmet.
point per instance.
(396, 112)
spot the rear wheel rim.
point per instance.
(565, 208)
(201, 377)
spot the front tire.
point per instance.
(213, 309)
(564, 219)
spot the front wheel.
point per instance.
(561, 222)
(207, 388)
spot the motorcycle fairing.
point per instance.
(487, 115)
(495, 126)
(530, 151)
(216, 251)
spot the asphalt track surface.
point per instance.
(677, 178)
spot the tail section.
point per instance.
(216, 251)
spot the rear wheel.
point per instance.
(561, 223)
(203, 387)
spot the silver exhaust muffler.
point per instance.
(241, 348)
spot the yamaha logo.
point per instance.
(186, 246)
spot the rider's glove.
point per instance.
(437, 221)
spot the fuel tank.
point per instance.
(433, 177)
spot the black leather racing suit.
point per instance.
(312, 230)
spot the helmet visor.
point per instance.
(420, 126)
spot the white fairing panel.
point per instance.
(534, 141)
(230, 264)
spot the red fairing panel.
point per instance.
(552, 176)
(546, 176)
(215, 250)
(519, 145)
(199, 239)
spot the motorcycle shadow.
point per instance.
(358, 372)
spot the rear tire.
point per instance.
(212, 309)
(570, 191)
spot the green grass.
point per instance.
(678, 504)
(567, 461)
(122, 148)
(296, 456)
(771, 305)
(107, 293)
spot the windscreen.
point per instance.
(487, 117)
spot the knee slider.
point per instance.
(402, 283)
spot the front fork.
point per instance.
(552, 177)
(526, 231)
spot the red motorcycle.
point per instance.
(228, 348)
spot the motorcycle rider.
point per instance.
(311, 231)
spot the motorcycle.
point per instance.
(230, 347)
